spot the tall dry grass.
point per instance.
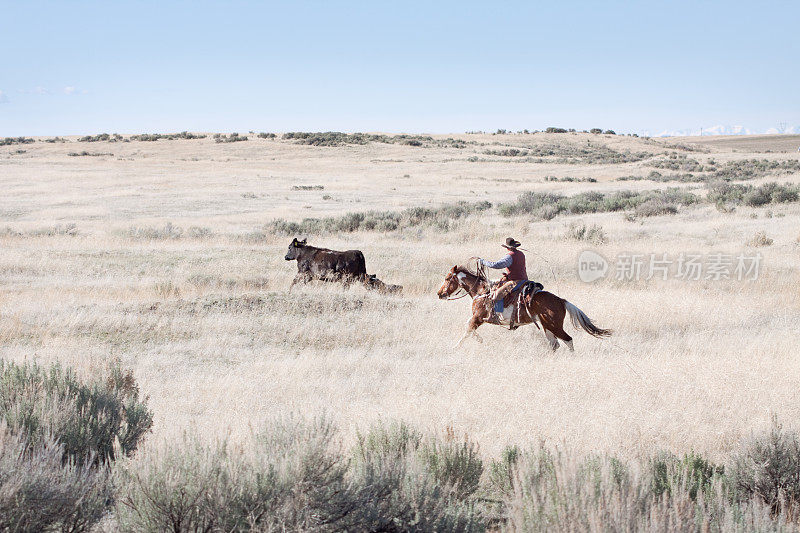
(159, 257)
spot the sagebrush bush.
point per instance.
(555, 492)
(114, 137)
(547, 205)
(151, 137)
(655, 207)
(723, 193)
(296, 478)
(92, 421)
(440, 217)
(679, 162)
(7, 141)
(569, 154)
(768, 468)
(692, 473)
(41, 491)
(232, 138)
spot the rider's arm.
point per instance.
(502, 263)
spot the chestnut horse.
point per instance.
(541, 308)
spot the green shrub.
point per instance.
(264, 135)
(692, 473)
(90, 420)
(40, 491)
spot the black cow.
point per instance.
(326, 265)
(330, 265)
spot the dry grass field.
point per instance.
(161, 255)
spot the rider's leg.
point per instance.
(499, 293)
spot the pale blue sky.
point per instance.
(90, 67)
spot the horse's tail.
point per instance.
(580, 320)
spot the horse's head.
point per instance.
(294, 249)
(450, 285)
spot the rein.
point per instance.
(458, 297)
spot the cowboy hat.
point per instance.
(511, 243)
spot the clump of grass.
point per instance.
(760, 239)
(308, 187)
(581, 232)
(167, 231)
(54, 140)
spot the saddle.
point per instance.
(524, 289)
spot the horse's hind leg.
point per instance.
(561, 334)
(551, 338)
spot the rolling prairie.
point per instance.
(162, 255)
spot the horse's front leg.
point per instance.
(473, 324)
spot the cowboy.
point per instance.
(514, 265)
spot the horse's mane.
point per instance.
(466, 269)
(472, 272)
